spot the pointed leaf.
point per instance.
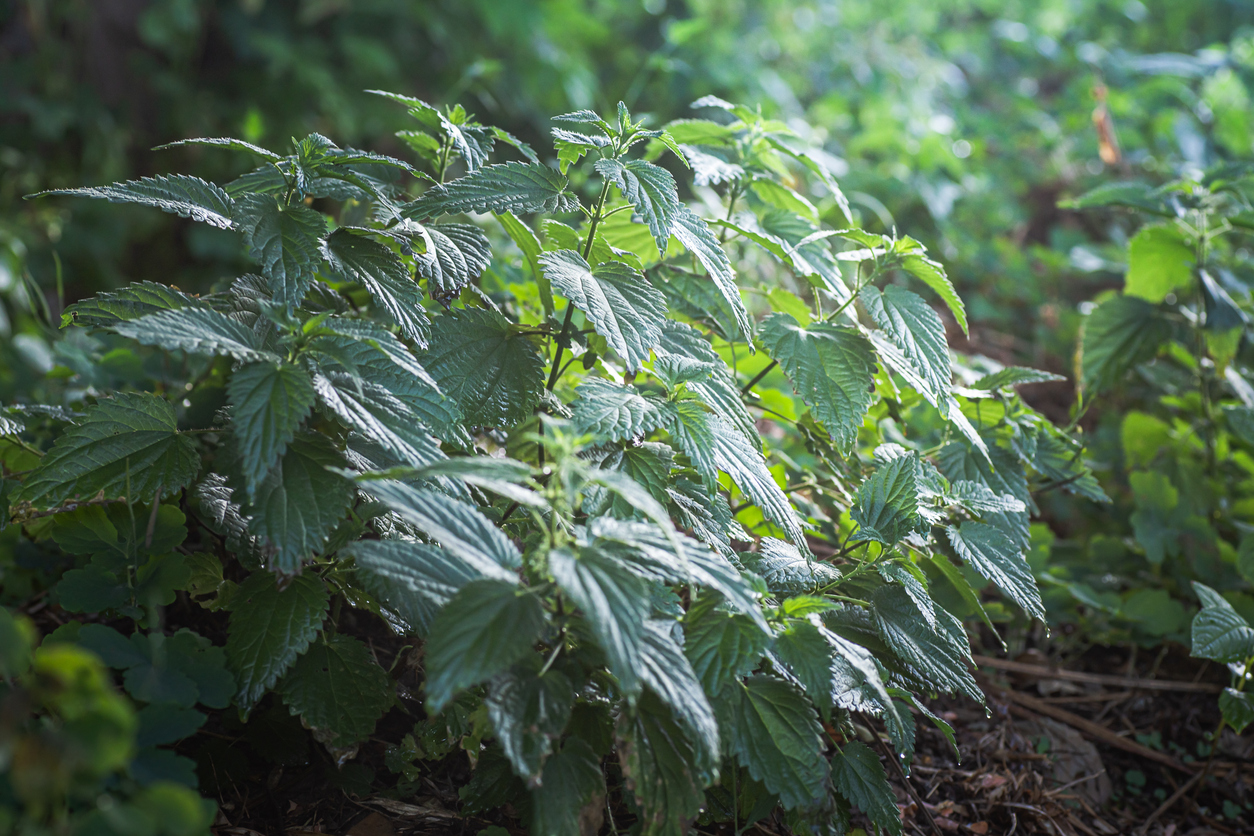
(939, 656)
(786, 571)
(198, 331)
(932, 274)
(1120, 333)
(460, 252)
(384, 276)
(668, 674)
(572, 781)
(339, 690)
(270, 403)
(859, 776)
(887, 507)
(1219, 632)
(506, 187)
(615, 413)
(659, 764)
(695, 235)
(649, 188)
(529, 710)
(270, 628)
(917, 331)
(415, 579)
(486, 627)
(618, 300)
(178, 194)
(722, 646)
(993, 555)
(284, 240)
(127, 303)
(126, 441)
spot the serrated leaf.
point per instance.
(932, 274)
(1160, 261)
(667, 672)
(615, 603)
(127, 303)
(270, 403)
(572, 781)
(859, 776)
(1237, 708)
(338, 689)
(912, 325)
(939, 656)
(178, 194)
(693, 232)
(1002, 474)
(1119, 193)
(718, 389)
(130, 440)
(270, 628)
(384, 276)
(651, 554)
(832, 368)
(212, 498)
(381, 417)
(529, 710)
(808, 656)
(786, 570)
(775, 733)
(1120, 333)
(285, 241)
(649, 188)
(887, 507)
(1219, 632)
(458, 254)
(722, 646)
(456, 525)
(223, 142)
(659, 764)
(505, 187)
(523, 236)
(494, 374)
(617, 299)
(708, 169)
(487, 626)
(610, 412)
(1014, 376)
(198, 331)
(415, 579)
(299, 502)
(991, 553)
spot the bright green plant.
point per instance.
(651, 538)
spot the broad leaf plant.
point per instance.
(678, 501)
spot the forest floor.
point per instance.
(1112, 744)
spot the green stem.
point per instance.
(757, 377)
(564, 334)
(446, 147)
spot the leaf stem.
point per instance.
(757, 377)
(564, 334)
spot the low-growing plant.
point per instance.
(663, 529)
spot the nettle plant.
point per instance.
(1174, 347)
(655, 543)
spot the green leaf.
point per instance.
(610, 412)
(455, 525)
(223, 142)
(300, 502)
(494, 374)
(270, 403)
(786, 571)
(887, 507)
(285, 241)
(721, 646)
(962, 586)
(507, 187)
(1120, 333)
(128, 440)
(1014, 376)
(667, 672)
(1002, 473)
(529, 711)
(92, 589)
(456, 254)
(178, 194)
(859, 776)
(270, 628)
(932, 274)
(163, 724)
(708, 169)
(991, 553)
(384, 276)
(915, 329)
(693, 232)
(939, 656)
(571, 783)
(487, 626)
(809, 657)
(529, 244)
(832, 368)
(649, 188)
(339, 690)
(127, 303)
(1237, 708)
(659, 764)
(198, 331)
(1160, 261)
(1131, 194)
(618, 300)
(614, 601)
(415, 579)
(372, 410)
(1219, 632)
(713, 444)
(775, 733)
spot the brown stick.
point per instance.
(1091, 729)
(1096, 678)
(1166, 805)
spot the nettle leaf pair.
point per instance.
(1177, 338)
(535, 444)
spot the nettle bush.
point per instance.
(662, 529)
(1173, 351)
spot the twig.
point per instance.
(1172, 799)
(905, 779)
(1096, 678)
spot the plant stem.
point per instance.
(757, 377)
(444, 152)
(564, 334)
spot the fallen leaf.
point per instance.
(980, 827)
